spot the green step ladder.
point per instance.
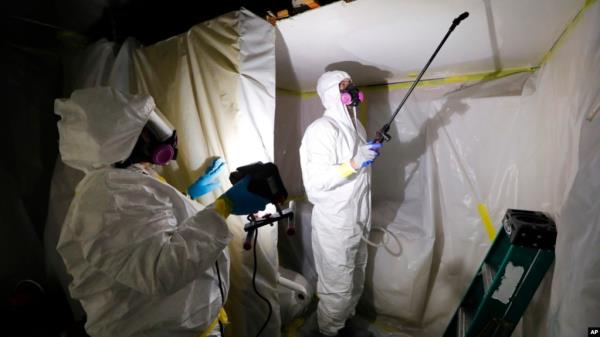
(507, 278)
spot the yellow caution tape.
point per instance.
(487, 222)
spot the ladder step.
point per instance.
(463, 323)
(522, 264)
(487, 274)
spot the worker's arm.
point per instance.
(136, 238)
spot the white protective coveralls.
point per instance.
(342, 205)
(142, 255)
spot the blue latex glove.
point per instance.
(241, 201)
(375, 147)
(366, 154)
(206, 182)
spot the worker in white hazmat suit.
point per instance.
(335, 158)
(145, 259)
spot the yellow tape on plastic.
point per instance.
(484, 76)
(487, 222)
(221, 317)
(567, 30)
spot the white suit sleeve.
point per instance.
(131, 234)
(321, 169)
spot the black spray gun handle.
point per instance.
(269, 219)
(382, 134)
(248, 241)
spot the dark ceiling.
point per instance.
(153, 20)
(35, 23)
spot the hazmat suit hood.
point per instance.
(329, 92)
(100, 126)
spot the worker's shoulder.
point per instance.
(322, 125)
(112, 180)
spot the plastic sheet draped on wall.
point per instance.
(513, 142)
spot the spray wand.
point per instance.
(382, 134)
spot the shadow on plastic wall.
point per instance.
(400, 161)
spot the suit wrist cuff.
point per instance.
(223, 206)
(345, 169)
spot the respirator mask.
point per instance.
(352, 96)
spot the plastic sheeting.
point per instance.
(507, 143)
(216, 84)
(575, 287)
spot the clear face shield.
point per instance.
(165, 136)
